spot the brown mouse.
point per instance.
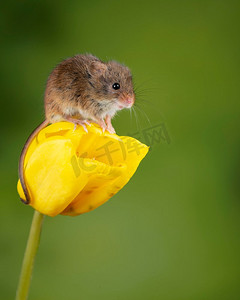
(81, 89)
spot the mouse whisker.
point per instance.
(130, 111)
(144, 114)
(136, 118)
(146, 104)
(144, 101)
(141, 90)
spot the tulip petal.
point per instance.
(70, 172)
(101, 187)
(50, 177)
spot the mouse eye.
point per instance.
(116, 86)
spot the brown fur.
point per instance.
(80, 89)
(84, 82)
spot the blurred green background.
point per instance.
(173, 232)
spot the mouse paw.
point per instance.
(102, 124)
(109, 127)
(76, 122)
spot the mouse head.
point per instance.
(112, 82)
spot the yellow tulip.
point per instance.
(71, 172)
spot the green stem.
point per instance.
(29, 255)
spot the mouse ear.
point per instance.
(97, 66)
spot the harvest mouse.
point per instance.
(82, 89)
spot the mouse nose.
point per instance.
(129, 101)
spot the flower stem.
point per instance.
(29, 255)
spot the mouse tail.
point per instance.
(22, 158)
